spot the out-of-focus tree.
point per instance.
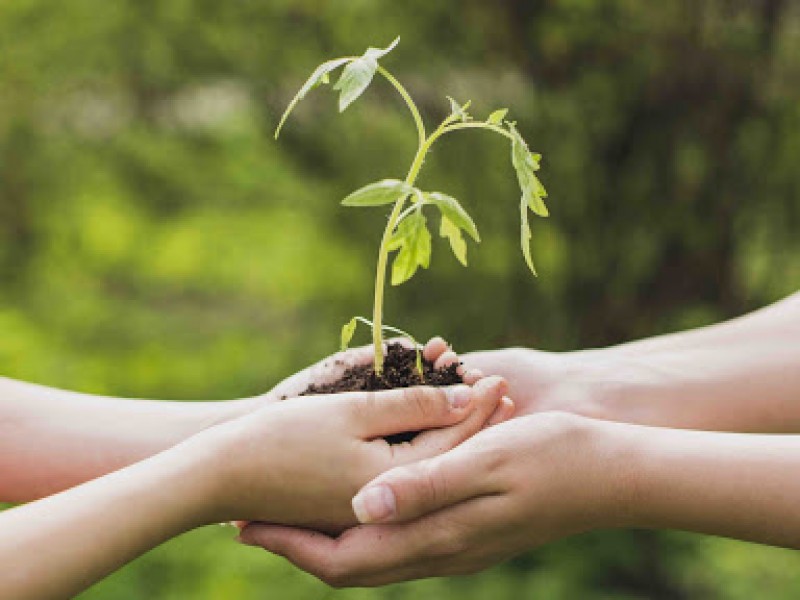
(154, 241)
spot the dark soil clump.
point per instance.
(399, 371)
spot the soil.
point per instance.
(399, 371)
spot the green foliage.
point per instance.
(318, 77)
(412, 240)
(407, 232)
(357, 75)
(387, 191)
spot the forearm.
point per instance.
(56, 547)
(743, 375)
(738, 376)
(735, 485)
(778, 321)
(51, 440)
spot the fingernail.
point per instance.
(375, 503)
(459, 396)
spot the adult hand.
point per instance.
(300, 461)
(583, 383)
(509, 488)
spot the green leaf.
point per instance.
(413, 240)
(525, 237)
(459, 112)
(379, 53)
(319, 76)
(450, 208)
(382, 192)
(357, 76)
(526, 164)
(348, 331)
(457, 244)
(497, 116)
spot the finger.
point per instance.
(382, 554)
(472, 376)
(434, 349)
(503, 412)
(411, 491)
(445, 360)
(303, 547)
(379, 414)
(486, 397)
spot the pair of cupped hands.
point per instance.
(314, 480)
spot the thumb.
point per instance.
(411, 491)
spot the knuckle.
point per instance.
(449, 544)
(560, 424)
(432, 481)
(427, 402)
(364, 405)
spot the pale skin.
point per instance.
(254, 459)
(639, 435)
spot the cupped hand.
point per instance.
(300, 461)
(333, 367)
(509, 488)
(583, 383)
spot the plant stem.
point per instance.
(383, 251)
(409, 102)
(425, 143)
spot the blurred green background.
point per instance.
(155, 241)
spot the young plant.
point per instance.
(406, 231)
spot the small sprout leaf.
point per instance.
(413, 240)
(496, 118)
(525, 237)
(451, 209)
(379, 53)
(318, 77)
(357, 76)
(348, 331)
(526, 164)
(536, 198)
(456, 239)
(379, 193)
(459, 112)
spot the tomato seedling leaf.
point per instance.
(348, 330)
(496, 118)
(453, 234)
(357, 76)
(386, 191)
(526, 164)
(318, 77)
(451, 209)
(413, 240)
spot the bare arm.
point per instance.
(52, 439)
(742, 375)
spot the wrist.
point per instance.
(619, 455)
(612, 385)
(233, 461)
(207, 460)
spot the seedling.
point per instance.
(406, 231)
